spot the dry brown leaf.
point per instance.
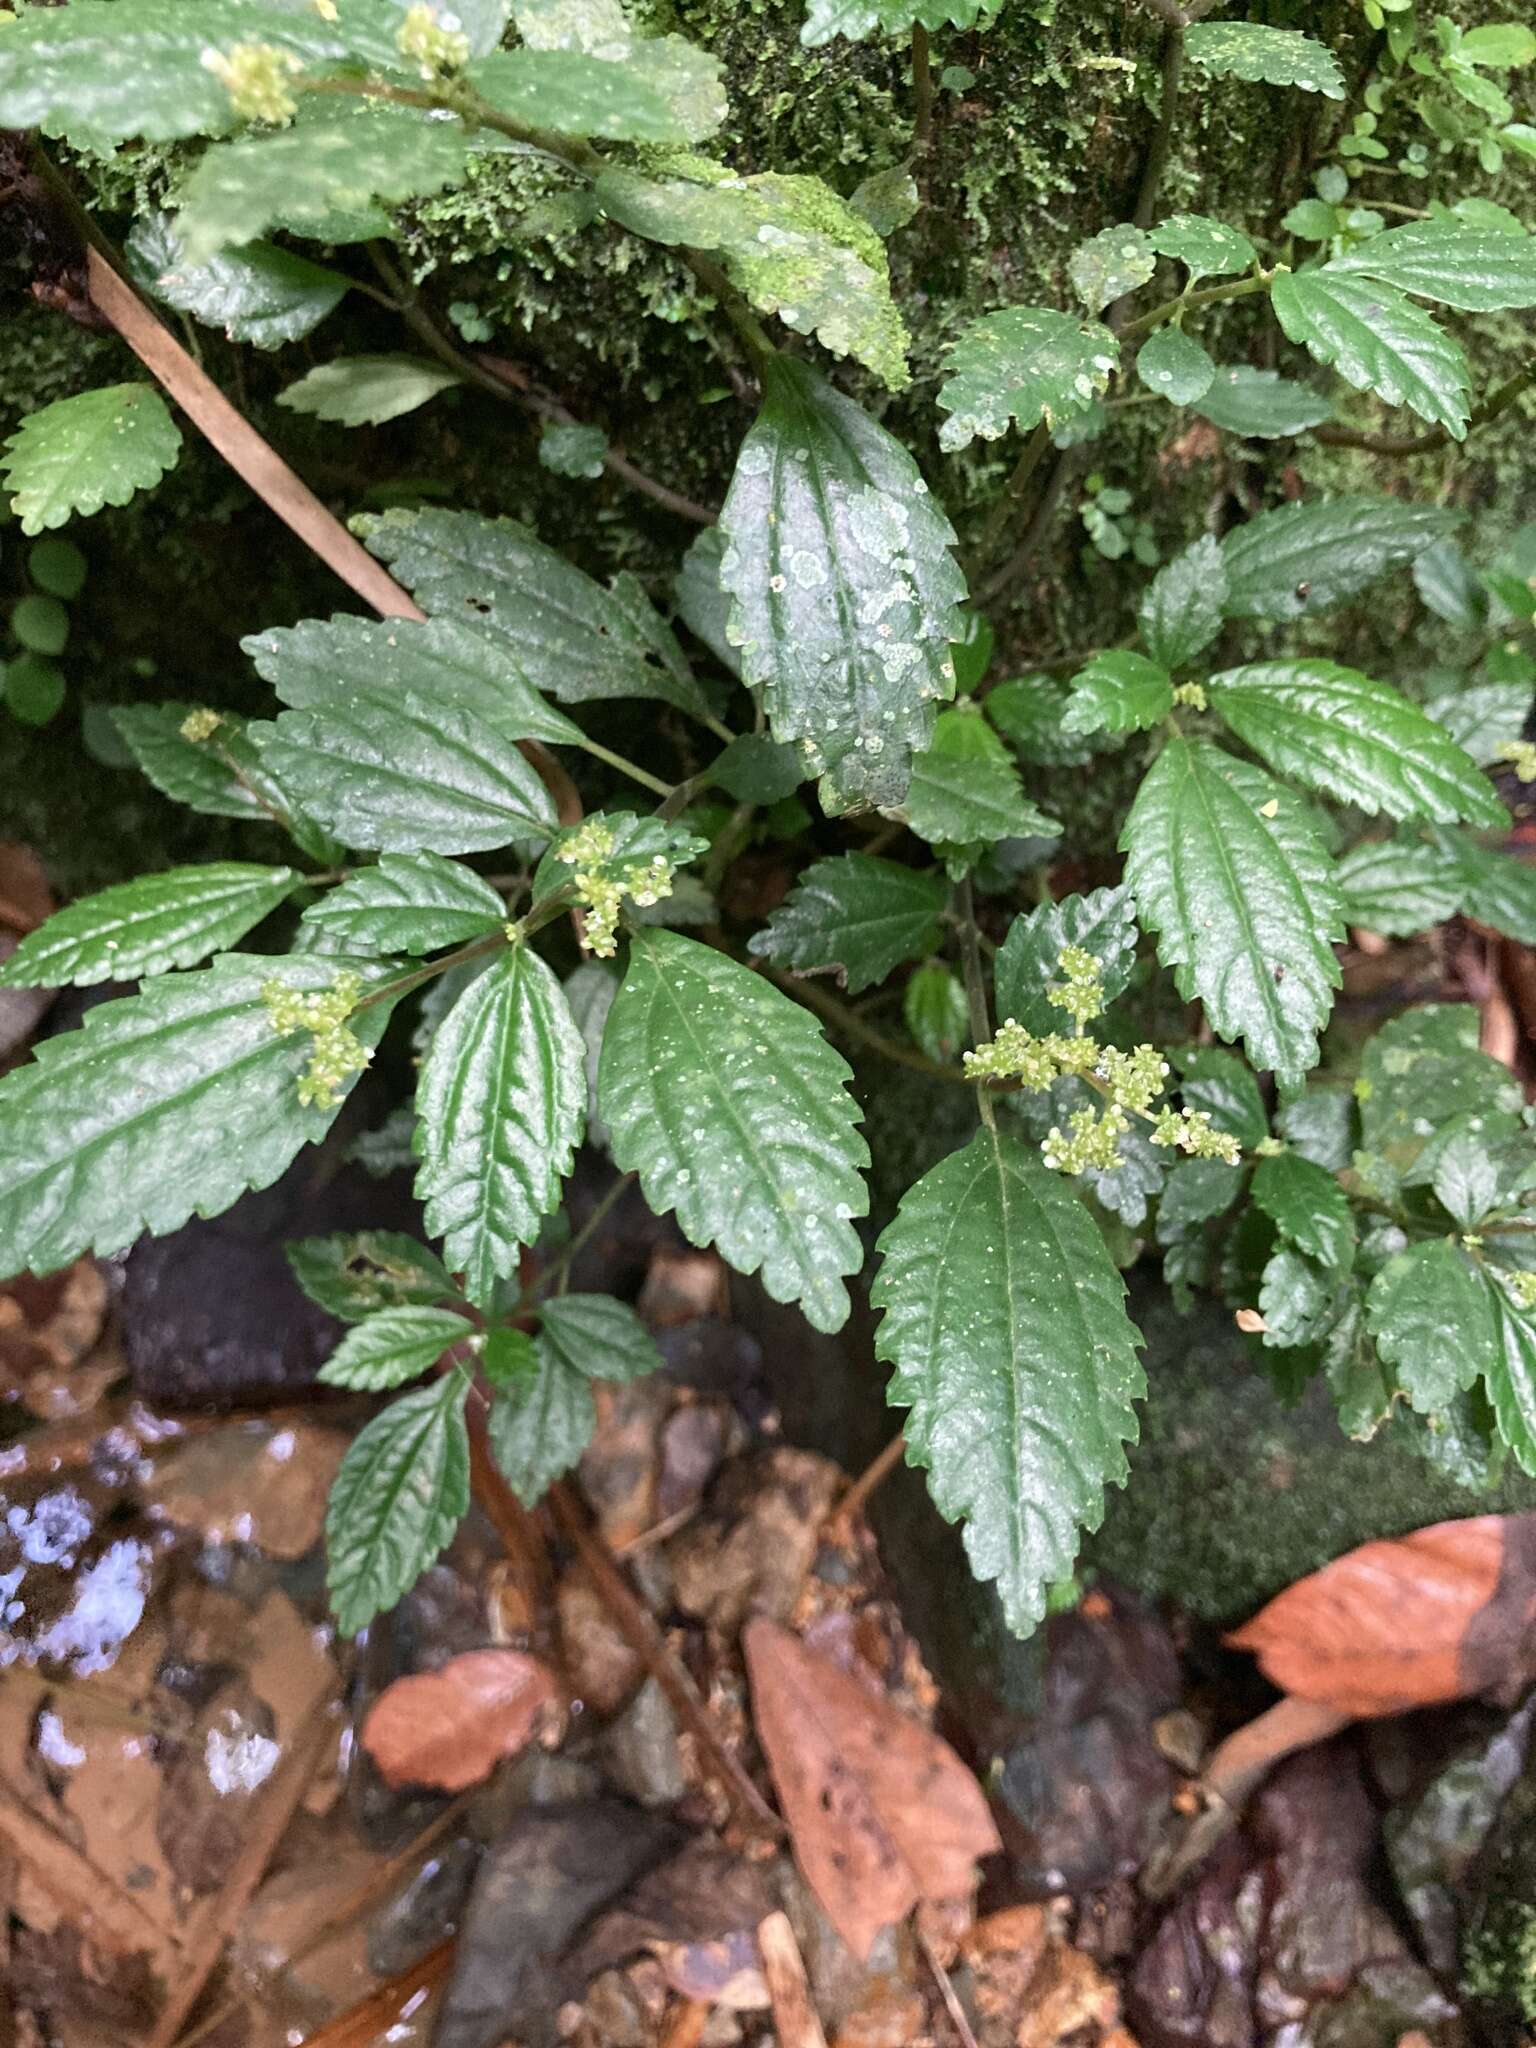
(881, 1812)
(1438, 1615)
(450, 1728)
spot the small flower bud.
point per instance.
(425, 41)
(200, 725)
(256, 76)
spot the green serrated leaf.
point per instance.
(965, 791)
(408, 903)
(149, 925)
(1111, 263)
(79, 454)
(221, 777)
(701, 604)
(935, 1011)
(502, 1104)
(1305, 557)
(856, 916)
(755, 769)
(1308, 1208)
(1398, 886)
(365, 391)
(1359, 740)
(1423, 1068)
(166, 1104)
(1510, 1373)
(1320, 1125)
(1498, 889)
(1225, 868)
(845, 594)
(1262, 403)
(1483, 718)
(1029, 959)
(353, 1274)
(107, 73)
(1466, 1178)
(1005, 1322)
(1223, 1086)
(641, 89)
(1296, 1299)
(1451, 263)
(1118, 692)
(1433, 1320)
(320, 661)
(1173, 364)
(726, 1099)
(1207, 248)
(788, 242)
(596, 1336)
(338, 161)
(1195, 1192)
(1027, 363)
(590, 991)
(402, 1490)
(393, 1346)
(1263, 55)
(259, 294)
(856, 19)
(1027, 711)
(563, 632)
(1185, 604)
(1378, 341)
(542, 1419)
(404, 774)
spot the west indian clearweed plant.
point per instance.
(821, 674)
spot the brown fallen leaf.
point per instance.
(450, 1728)
(881, 1812)
(1438, 1615)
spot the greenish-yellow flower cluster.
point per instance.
(1080, 992)
(1522, 1286)
(1192, 694)
(432, 48)
(338, 1053)
(1130, 1082)
(1521, 754)
(258, 78)
(200, 725)
(601, 892)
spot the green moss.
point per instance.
(1498, 1963)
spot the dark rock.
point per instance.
(212, 1315)
(1081, 1786)
(537, 1890)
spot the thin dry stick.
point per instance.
(794, 2017)
(211, 1927)
(856, 1499)
(241, 446)
(638, 1625)
(952, 2005)
(373, 2016)
(686, 2027)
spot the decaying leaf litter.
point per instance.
(729, 1804)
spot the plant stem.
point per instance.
(1017, 484)
(1191, 302)
(559, 1267)
(1162, 139)
(850, 1025)
(627, 767)
(1498, 401)
(975, 986)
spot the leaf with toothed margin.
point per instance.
(1206, 248)
(408, 903)
(165, 1105)
(1227, 871)
(1029, 959)
(402, 1490)
(1378, 341)
(726, 1099)
(148, 925)
(1262, 55)
(855, 915)
(846, 597)
(1302, 558)
(857, 19)
(1354, 738)
(542, 1413)
(1005, 1322)
(1025, 364)
(501, 1107)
